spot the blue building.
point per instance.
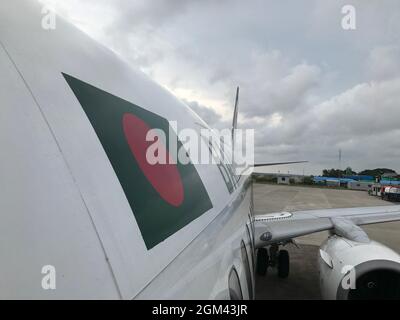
(360, 178)
(332, 181)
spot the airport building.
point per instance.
(279, 178)
(332, 181)
(360, 185)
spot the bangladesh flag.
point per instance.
(163, 197)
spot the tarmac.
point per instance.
(303, 281)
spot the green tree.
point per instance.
(376, 172)
(349, 171)
(308, 180)
(336, 173)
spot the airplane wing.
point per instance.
(283, 226)
(276, 163)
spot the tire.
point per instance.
(262, 261)
(283, 264)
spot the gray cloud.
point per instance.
(383, 62)
(208, 114)
(308, 87)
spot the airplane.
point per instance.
(77, 200)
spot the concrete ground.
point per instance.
(303, 282)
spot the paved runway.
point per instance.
(303, 280)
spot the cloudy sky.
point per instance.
(308, 87)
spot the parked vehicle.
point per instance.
(390, 193)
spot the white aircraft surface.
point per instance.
(75, 194)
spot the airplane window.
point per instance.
(235, 291)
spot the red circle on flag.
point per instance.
(165, 178)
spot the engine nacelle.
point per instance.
(351, 270)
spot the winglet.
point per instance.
(235, 114)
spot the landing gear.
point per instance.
(262, 261)
(274, 258)
(283, 264)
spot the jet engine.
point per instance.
(353, 270)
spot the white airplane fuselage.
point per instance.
(63, 199)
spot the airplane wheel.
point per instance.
(262, 261)
(283, 264)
